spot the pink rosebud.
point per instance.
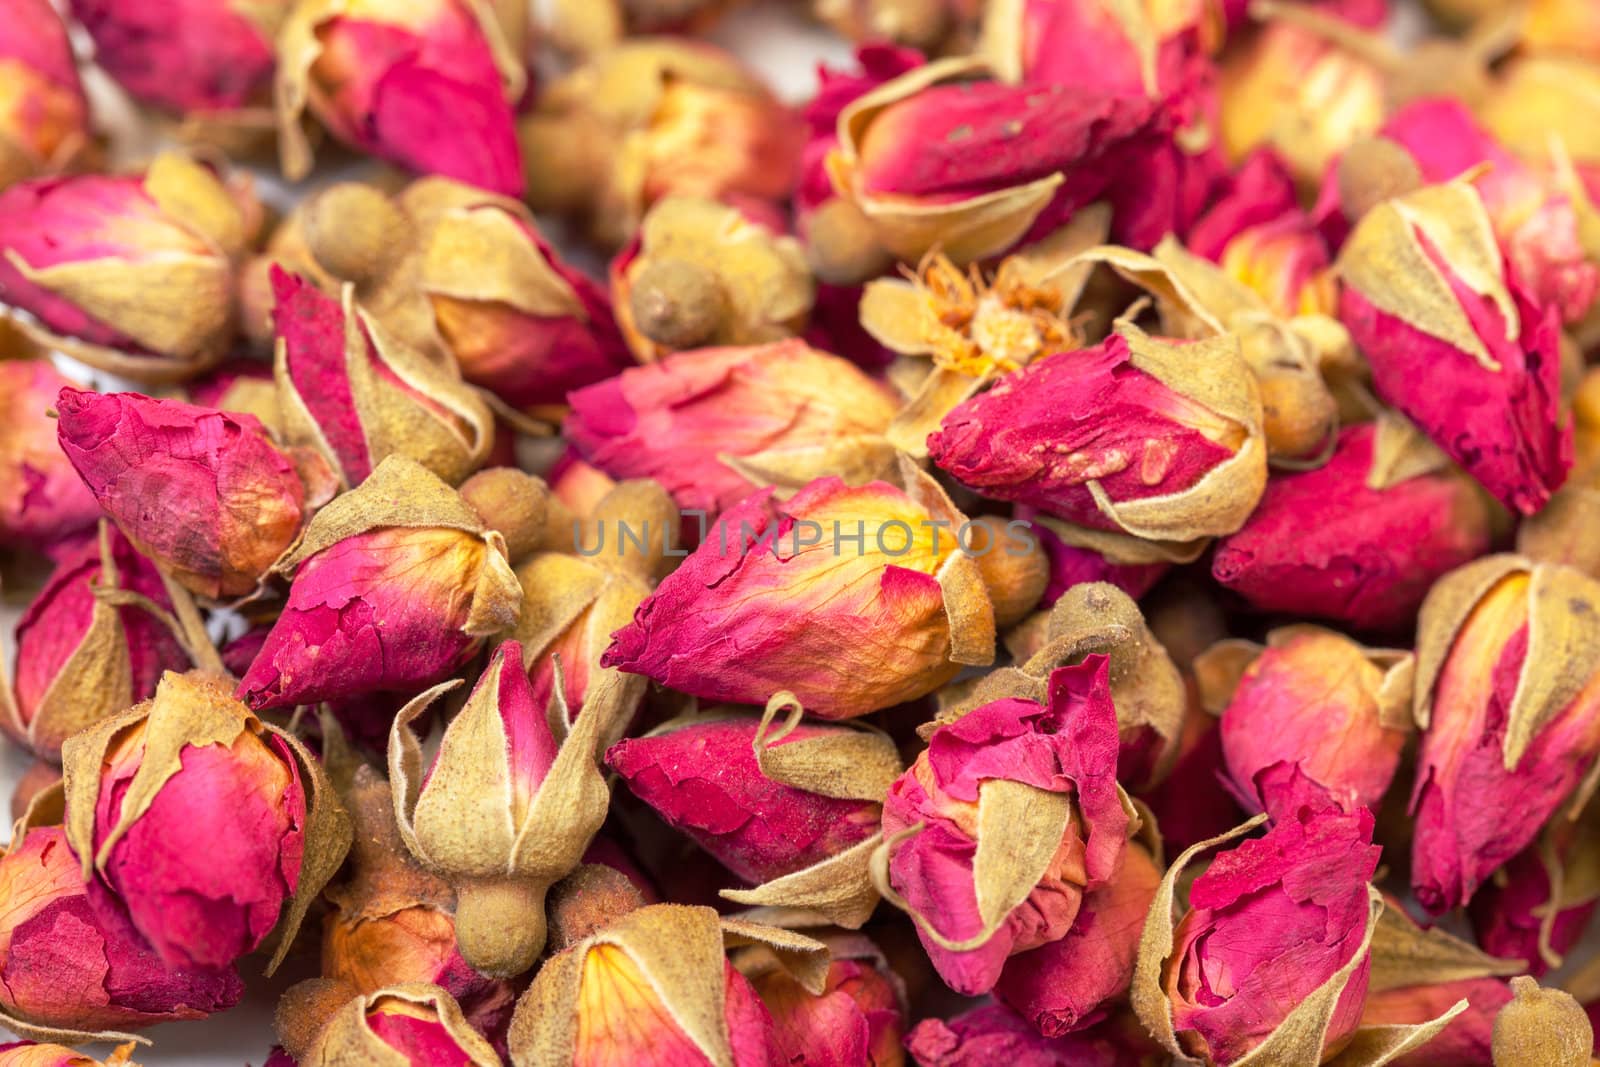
(417, 1025)
(222, 61)
(1351, 541)
(42, 499)
(1465, 1042)
(1499, 755)
(856, 1020)
(31, 1054)
(44, 116)
(704, 780)
(1314, 699)
(1286, 262)
(1456, 343)
(79, 659)
(1519, 914)
(994, 1034)
(787, 596)
(420, 84)
(1269, 922)
(69, 965)
(837, 88)
(132, 274)
(1054, 766)
(1067, 985)
(689, 420)
(1118, 438)
(394, 586)
(1259, 191)
(203, 493)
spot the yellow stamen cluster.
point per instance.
(982, 326)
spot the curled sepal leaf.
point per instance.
(1404, 954)
(351, 1040)
(966, 597)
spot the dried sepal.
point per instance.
(966, 597)
(1401, 452)
(1405, 954)
(349, 1038)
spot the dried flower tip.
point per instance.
(842, 246)
(512, 503)
(1015, 570)
(500, 925)
(677, 303)
(587, 901)
(353, 230)
(981, 325)
(1541, 1028)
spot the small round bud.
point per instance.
(588, 900)
(677, 303)
(500, 926)
(1541, 1028)
(353, 229)
(564, 166)
(1299, 414)
(304, 1010)
(511, 502)
(1015, 568)
(1372, 170)
(841, 246)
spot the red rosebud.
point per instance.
(1522, 914)
(416, 1025)
(203, 493)
(994, 1034)
(42, 499)
(44, 116)
(1052, 766)
(856, 1020)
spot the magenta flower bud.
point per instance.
(80, 968)
(1053, 767)
(222, 61)
(994, 1034)
(44, 117)
(42, 499)
(203, 493)
(1345, 542)
(857, 1019)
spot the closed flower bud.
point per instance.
(133, 275)
(993, 1033)
(853, 599)
(203, 493)
(393, 586)
(998, 829)
(356, 394)
(428, 86)
(701, 273)
(714, 425)
(209, 825)
(42, 499)
(30, 1054)
(937, 160)
(44, 117)
(857, 1019)
(416, 1025)
(80, 657)
(1372, 529)
(1455, 343)
(243, 386)
(1529, 909)
(1286, 261)
(656, 117)
(1128, 436)
(504, 810)
(1541, 1028)
(71, 969)
(1272, 951)
(797, 807)
(1070, 984)
(655, 988)
(221, 62)
(1508, 698)
(1312, 698)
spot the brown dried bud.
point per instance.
(1015, 570)
(1541, 1028)
(354, 230)
(677, 303)
(842, 245)
(587, 901)
(512, 503)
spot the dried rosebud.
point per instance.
(203, 493)
(797, 807)
(935, 159)
(712, 426)
(1067, 985)
(700, 273)
(1361, 539)
(512, 503)
(853, 599)
(207, 824)
(858, 1018)
(1272, 951)
(356, 394)
(570, 609)
(1040, 777)
(133, 274)
(72, 969)
(655, 117)
(1315, 699)
(417, 1025)
(1077, 557)
(503, 811)
(81, 658)
(655, 987)
(1528, 911)
(592, 897)
(42, 499)
(242, 386)
(1541, 1028)
(993, 1034)
(394, 585)
(221, 62)
(1286, 261)
(44, 122)
(427, 85)
(1455, 343)
(30, 1054)
(1128, 436)
(1508, 698)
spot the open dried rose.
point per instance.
(44, 116)
(42, 499)
(131, 274)
(999, 828)
(205, 494)
(210, 827)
